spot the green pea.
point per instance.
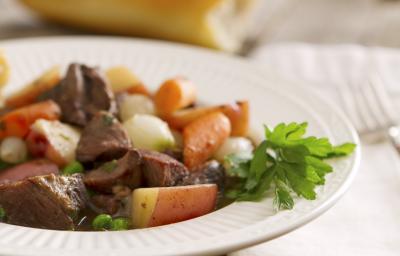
(4, 165)
(72, 168)
(102, 222)
(2, 214)
(119, 224)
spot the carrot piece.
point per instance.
(138, 89)
(174, 94)
(203, 137)
(29, 94)
(238, 114)
(17, 122)
(182, 118)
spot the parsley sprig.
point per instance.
(285, 161)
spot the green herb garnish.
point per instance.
(73, 167)
(285, 161)
(2, 214)
(109, 166)
(108, 120)
(4, 165)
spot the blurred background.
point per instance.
(366, 22)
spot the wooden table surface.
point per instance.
(367, 22)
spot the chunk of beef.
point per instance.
(105, 204)
(177, 154)
(138, 167)
(50, 201)
(81, 94)
(211, 172)
(125, 171)
(161, 170)
(104, 139)
(116, 203)
(29, 169)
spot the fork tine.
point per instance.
(373, 105)
(369, 108)
(360, 106)
(364, 112)
(385, 103)
(347, 98)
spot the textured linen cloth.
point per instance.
(366, 221)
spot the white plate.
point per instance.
(220, 79)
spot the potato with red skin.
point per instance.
(25, 170)
(54, 140)
(203, 137)
(153, 207)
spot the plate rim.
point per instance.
(314, 213)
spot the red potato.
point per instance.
(160, 206)
(29, 169)
(30, 93)
(203, 137)
(238, 114)
(174, 94)
(54, 140)
(17, 122)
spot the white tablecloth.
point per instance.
(366, 221)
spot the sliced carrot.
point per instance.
(30, 93)
(174, 94)
(138, 89)
(17, 122)
(238, 114)
(203, 137)
(182, 118)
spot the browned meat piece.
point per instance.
(138, 167)
(161, 170)
(104, 139)
(29, 169)
(211, 172)
(105, 204)
(50, 202)
(177, 154)
(81, 94)
(125, 171)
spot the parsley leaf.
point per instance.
(342, 150)
(283, 199)
(286, 162)
(239, 164)
(109, 166)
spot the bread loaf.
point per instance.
(219, 24)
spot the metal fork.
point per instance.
(371, 110)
